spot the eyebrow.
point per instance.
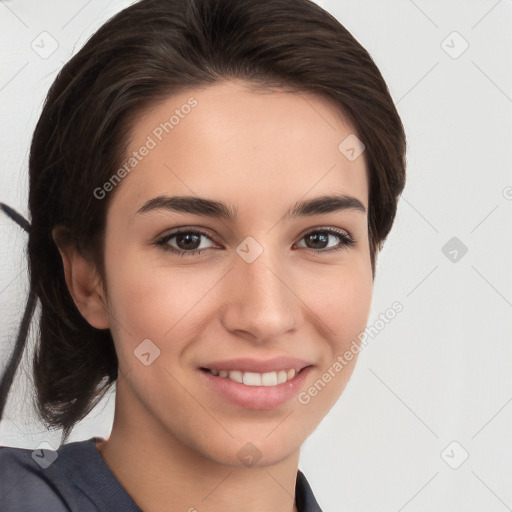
(216, 209)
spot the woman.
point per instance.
(262, 135)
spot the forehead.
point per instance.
(230, 141)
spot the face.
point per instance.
(255, 288)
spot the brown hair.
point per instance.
(144, 54)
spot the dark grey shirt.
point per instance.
(76, 478)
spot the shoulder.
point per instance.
(33, 480)
(26, 485)
(73, 477)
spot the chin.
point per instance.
(265, 449)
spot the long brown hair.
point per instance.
(144, 54)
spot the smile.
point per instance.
(256, 379)
(254, 390)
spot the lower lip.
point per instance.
(256, 397)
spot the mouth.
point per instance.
(273, 378)
(253, 384)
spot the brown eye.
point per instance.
(188, 242)
(319, 240)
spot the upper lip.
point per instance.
(258, 365)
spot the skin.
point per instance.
(174, 441)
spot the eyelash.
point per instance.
(346, 241)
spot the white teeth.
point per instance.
(236, 375)
(257, 379)
(282, 376)
(252, 379)
(269, 379)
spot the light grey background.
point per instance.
(440, 371)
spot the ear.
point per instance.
(83, 282)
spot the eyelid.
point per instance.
(164, 238)
(208, 233)
(346, 239)
(186, 229)
(327, 228)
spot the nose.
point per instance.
(260, 303)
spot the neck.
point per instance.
(161, 473)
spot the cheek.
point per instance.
(149, 300)
(352, 309)
(342, 301)
(344, 314)
(154, 301)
